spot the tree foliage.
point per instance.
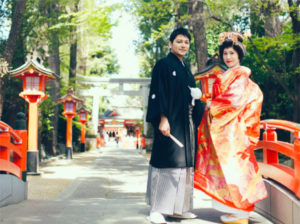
(272, 53)
(49, 23)
(49, 27)
(155, 19)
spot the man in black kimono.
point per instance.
(173, 108)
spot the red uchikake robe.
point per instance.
(226, 168)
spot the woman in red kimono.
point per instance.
(226, 168)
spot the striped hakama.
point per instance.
(170, 190)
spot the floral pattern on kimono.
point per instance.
(226, 168)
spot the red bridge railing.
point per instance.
(271, 146)
(13, 151)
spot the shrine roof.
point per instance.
(83, 107)
(33, 63)
(213, 63)
(69, 97)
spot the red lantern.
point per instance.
(208, 75)
(70, 101)
(82, 116)
(34, 77)
(83, 112)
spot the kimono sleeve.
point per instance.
(233, 97)
(158, 95)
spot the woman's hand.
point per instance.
(164, 126)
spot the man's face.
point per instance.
(180, 46)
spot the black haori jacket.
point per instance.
(170, 96)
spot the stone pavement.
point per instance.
(97, 188)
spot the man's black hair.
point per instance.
(179, 31)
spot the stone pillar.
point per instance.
(32, 153)
(69, 145)
(95, 113)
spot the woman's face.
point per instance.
(231, 57)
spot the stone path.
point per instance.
(97, 188)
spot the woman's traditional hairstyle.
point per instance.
(232, 39)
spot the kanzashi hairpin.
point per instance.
(233, 36)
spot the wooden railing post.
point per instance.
(4, 152)
(23, 148)
(269, 155)
(297, 163)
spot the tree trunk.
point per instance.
(197, 25)
(271, 13)
(73, 49)
(11, 43)
(294, 14)
(54, 64)
(15, 29)
(73, 58)
(179, 13)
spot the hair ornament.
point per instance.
(235, 37)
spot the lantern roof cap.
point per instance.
(83, 107)
(69, 97)
(33, 63)
(213, 62)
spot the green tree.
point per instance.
(18, 9)
(155, 20)
(273, 50)
(47, 30)
(273, 47)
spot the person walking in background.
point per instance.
(173, 111)
(226, 168)
(98, 142)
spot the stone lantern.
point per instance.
(83, 113)
(208, 75)
(34, 76)
(70, 101)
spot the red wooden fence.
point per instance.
(13, 151)
(270, 166)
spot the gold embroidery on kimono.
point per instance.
(226, 168)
